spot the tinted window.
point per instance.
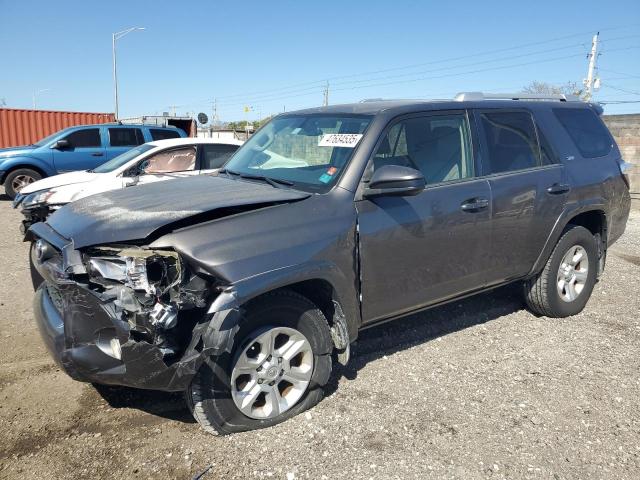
(587, 131)
(176, 160)
(125, 137)
(214, 156)
(437, 145)
(511, 141)
(89, 137)
(159, 134)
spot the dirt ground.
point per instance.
(477, 389)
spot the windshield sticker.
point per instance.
(328, 175)
(348, 140)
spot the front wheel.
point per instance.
(279, 364)
(18, 179)
(565, 284)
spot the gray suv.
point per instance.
(242, 289)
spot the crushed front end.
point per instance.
(121, 314)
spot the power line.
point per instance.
(296, 90)
(404, 67)
(624, 90)
(453, 67)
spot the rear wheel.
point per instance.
(18, 179)
(279, 364)
(565, 284)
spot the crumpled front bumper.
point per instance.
(78, 336)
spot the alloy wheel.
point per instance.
(572, 273)
(272, 372)
(21, 181)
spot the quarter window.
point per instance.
(437, 145)
(88, 137)
(160, 134)
(588, 133)
(177, 160)
(214, 156)
(511, 141)
(125, 137)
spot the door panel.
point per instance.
(420, 250)
(524, 213)
(528, 190)
(84, 152)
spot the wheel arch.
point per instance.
(19, 165)
(322, 284)
(591, 216)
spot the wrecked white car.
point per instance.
(148, 163)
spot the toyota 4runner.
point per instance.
(241, 289)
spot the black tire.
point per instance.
(541, 292)
(36, 278)
(11, 177)
(209, 395)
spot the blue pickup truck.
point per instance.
(75, 148)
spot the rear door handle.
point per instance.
(558, 189)
(474, 204)
(97, 154)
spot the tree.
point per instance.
(569, 88)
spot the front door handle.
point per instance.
(97, 154)
(558, 189)
(474, 205)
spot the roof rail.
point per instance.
(476, 96)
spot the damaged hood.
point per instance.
(135, 213)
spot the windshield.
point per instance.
(307, 151)
(120, 160)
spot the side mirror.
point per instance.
(61, 144)
(395, 181)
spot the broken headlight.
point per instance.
(154, 272)
(36, 198)
(154, 291)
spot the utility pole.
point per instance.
(590, 80)
(326, 95)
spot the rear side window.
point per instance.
(88, 137)
(589, 135)
(214, 156)
(125, 137)
(511, 141)
(160, 134)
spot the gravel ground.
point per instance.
(477, 389)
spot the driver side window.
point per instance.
(176, 160)
(437, 145)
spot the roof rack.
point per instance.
(476, 96)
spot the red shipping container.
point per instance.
(24, 127)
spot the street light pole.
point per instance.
(38, 92)
(114, 37)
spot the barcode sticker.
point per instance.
(348, 140)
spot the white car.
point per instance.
(151, 162)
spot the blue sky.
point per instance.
(275, 55)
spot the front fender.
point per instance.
(12, 163)
(225, 310)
